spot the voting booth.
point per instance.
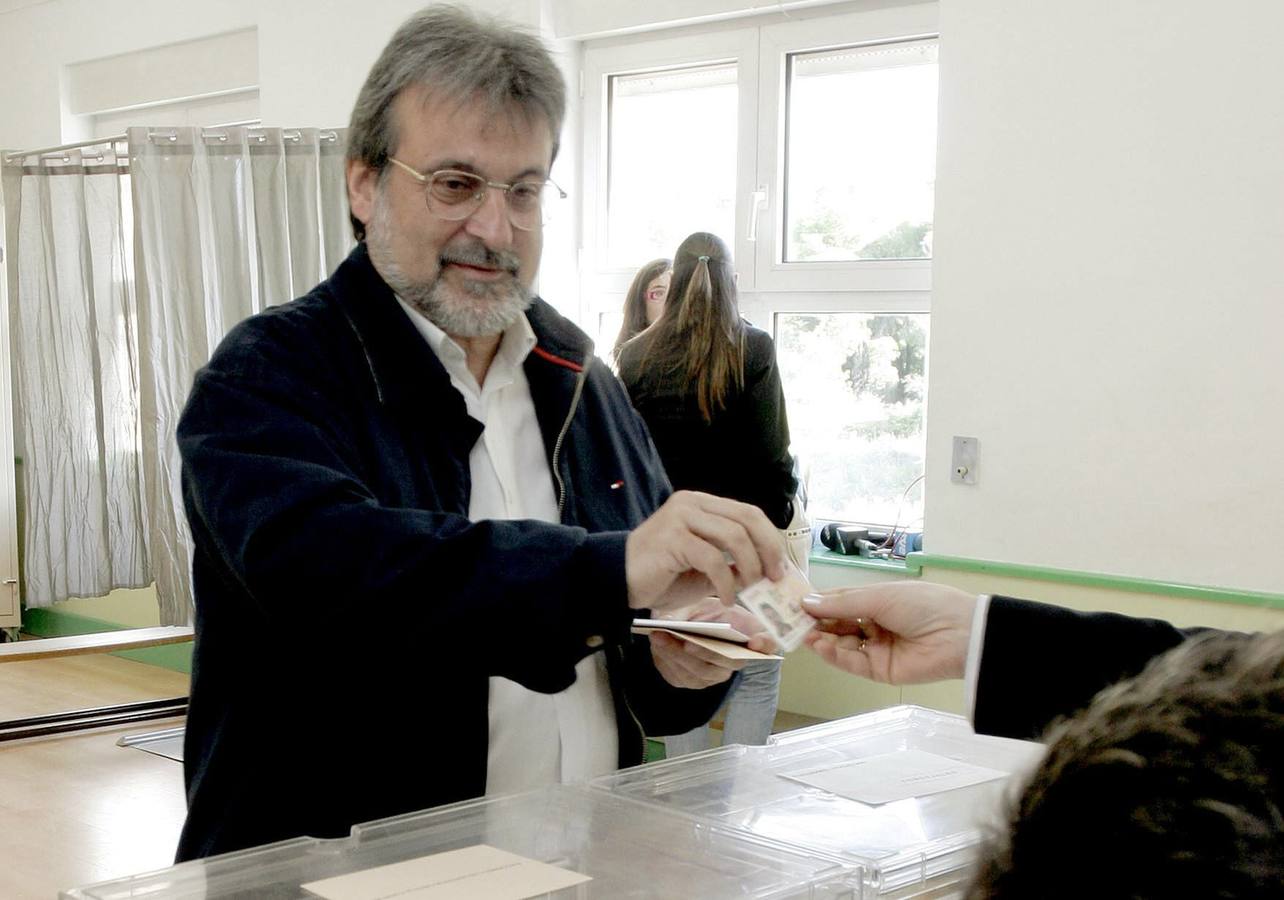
(879, 805)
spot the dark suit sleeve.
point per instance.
(1039, 661)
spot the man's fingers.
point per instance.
(708, 560)
(711, 609)
(679, 674)
(683, 668)
(768, 549)
(730, 537)
(700, 533)
(689, 588)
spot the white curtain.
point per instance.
(117, 305)
(227, 222)
(75, 376)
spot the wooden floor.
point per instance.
(76, 809)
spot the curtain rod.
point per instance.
(326, 134)
(41, 151)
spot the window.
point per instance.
(855, 387)
(663, 187)
(860, 153)
(808, 143)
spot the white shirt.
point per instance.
(972, 668)
(535, 739)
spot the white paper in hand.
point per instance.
(778, 606)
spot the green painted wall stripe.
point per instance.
(916, 562)
(50, 622)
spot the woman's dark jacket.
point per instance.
(743, 453)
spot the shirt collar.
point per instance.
(516, 344)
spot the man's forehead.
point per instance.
(434, 122)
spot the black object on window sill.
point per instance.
(856, 540)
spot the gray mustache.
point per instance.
(481, 255)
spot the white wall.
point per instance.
(313, 54)
(582, 19)
(1107, 314)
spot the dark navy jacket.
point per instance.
(348, 614)
(1040, 661)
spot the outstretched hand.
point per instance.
(684, 664)
(696, 545)
(903, 632)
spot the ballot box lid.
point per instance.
(872, 791)
(628, 849)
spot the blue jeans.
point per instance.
(750, 711)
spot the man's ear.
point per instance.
(363, 182)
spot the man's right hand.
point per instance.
(681, 552)
(901, 632)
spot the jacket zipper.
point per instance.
(624, 696)
(580, 378)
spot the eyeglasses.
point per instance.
(454, 195)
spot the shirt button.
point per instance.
(595, 641)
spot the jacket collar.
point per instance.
(401, 363)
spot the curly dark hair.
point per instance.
(1167, 786)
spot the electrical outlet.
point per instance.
(964, 459)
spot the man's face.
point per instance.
(471, 277)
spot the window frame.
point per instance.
(602, 286)
(777, 43)
(768, 287)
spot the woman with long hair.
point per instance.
(706, 383)
(644, 301)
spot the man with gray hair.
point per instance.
(424, 449)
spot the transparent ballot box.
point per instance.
(628, 849)
(802, 789)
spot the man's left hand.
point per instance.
(686, 665)
(712, 610)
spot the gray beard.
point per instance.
(481, 309)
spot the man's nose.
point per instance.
(490, 222)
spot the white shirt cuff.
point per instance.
(972, 668)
